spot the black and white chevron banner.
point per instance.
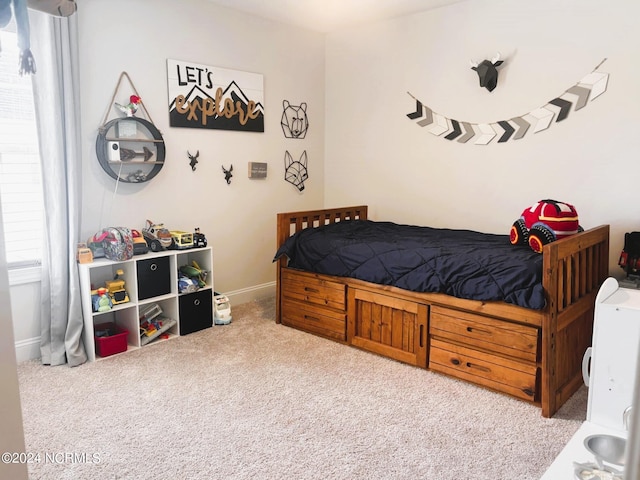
(589, 88)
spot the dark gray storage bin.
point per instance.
(196, 311)
(154, 277)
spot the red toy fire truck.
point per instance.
(545, 222)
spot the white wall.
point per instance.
(138, 36)
(376, 155)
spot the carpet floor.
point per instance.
(257, 400)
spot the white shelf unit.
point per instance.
(149, 278)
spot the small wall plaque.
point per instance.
(257, 170)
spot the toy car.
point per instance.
(181, 240)
(199, 239)
(157, 236)
(116, 290)
(222, 309)
(543, 223)
(139, 243)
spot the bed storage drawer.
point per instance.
(310, 288)
(494, 371)
(325, 322)
(484, 333)
(389, 326)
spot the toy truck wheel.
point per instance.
(539, 236)
(155, 246)
(519, 235)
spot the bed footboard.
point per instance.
(573, 270)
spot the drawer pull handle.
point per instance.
(312, 290)
(455, 361)
(196, 302)
(478, 330)
(478, 367)
(153, 267)
(528, 391)
(308, 317)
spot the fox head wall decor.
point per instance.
(295, 171)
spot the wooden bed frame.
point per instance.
(534, 355)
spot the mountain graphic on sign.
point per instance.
(194, 106)
(234, 92)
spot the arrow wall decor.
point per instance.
(556, 110)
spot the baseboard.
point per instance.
(28, 349)
(249, 294)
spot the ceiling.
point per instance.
(329, 15)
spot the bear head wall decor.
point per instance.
(295, 122)
(487, 71)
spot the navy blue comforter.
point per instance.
(461, 263)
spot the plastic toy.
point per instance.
(630, 256)
(222, 309)
(149, 319)
(543, 223)
(84, 254)
(199, 240)
(100, 301)
(116, 290)
(157, 236)
(139, 243)
(153, 325)
(195, 273)
(181, 240)
(186, 284)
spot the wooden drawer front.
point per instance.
(503, 337)
(327, 323)
(493, 371)
(388, 326)
(311, 289)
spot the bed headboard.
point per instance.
(292, 222)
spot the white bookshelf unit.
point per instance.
(151, 278)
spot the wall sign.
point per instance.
(257, 170)
(201, 96)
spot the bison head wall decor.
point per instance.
(487, 71)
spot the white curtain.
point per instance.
(56, 85)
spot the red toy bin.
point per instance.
(114, 343)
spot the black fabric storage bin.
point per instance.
(154, 277)
(196, 311)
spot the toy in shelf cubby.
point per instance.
(143, 289)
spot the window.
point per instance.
(20, 179)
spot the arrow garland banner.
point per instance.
(556, 110)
